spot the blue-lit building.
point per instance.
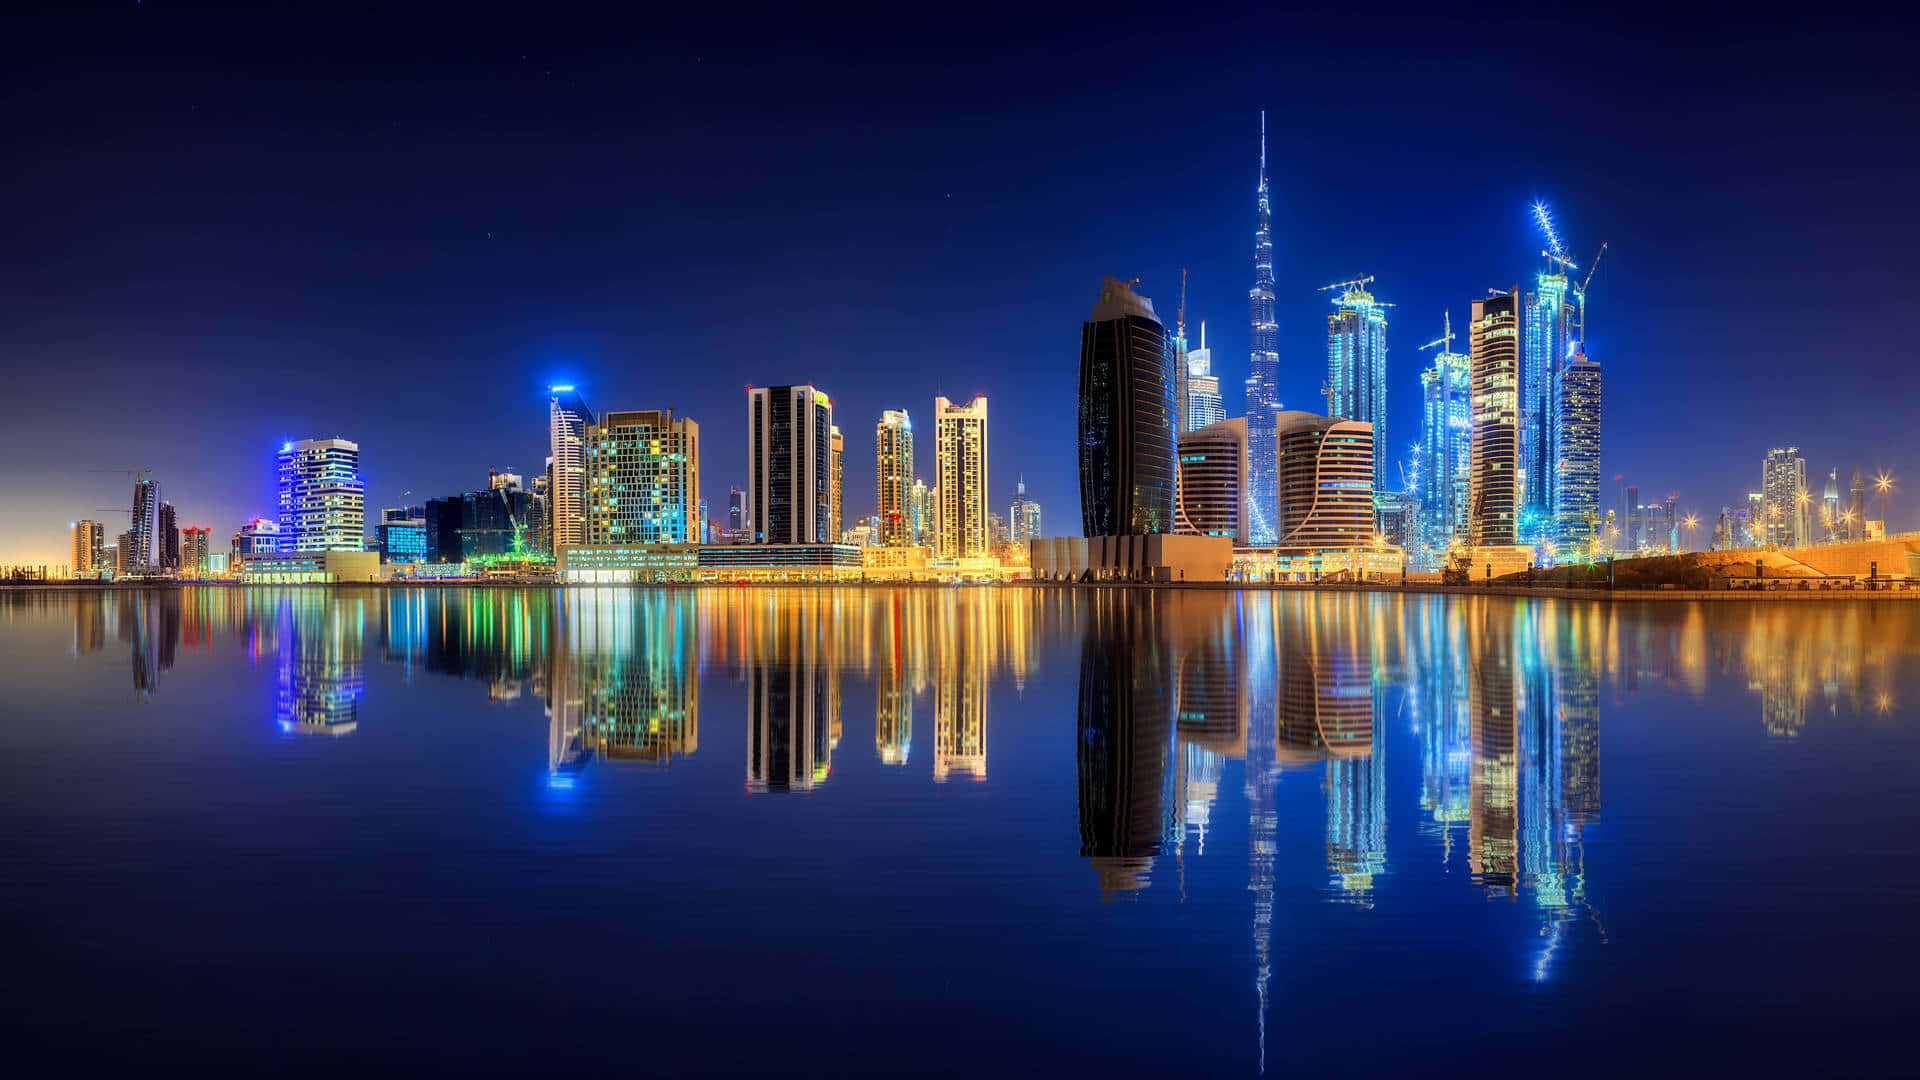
(402, 535)
(643, 478)
(1126, 418)
(1357, 368)
(1576, 493)
(1263, 373)
(322, 498)
(1442, 467)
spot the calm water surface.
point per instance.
(829, 832)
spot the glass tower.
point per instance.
(1263, 370)
(1576, 488)
(643, 479)
(1442, 473)
(893, 466)
(1494, 356)
(1203, 403)
(1126, 422)
(1357, 368)
(322, 499)
(960, 451)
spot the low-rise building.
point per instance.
(305, 567)
(1159, 557)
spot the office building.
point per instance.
(838, 524)
(790, 465)
(402, 535)
(1443, 466)
(1213, 482)
(169, 537)
(1576, 433)
(893, 472)
(128, 554)
(1126, 422)
(1357, 366)
(1494, 356)
(322, 499)
(1783, 487)
(1830, 507)
(960, 444)
(921, 515)
(736, 510)
(193, 550)
(1263, 370)
(88, 540)
(1548, 335)
(567, 421)
(148, 549)
(643, 478)
(1856, 512)
(257, 537)
(1203, 404)
(1024, 515)
(1326, 481)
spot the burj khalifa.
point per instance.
(1263, 372)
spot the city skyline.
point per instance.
(389, 377)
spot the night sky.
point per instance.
(227, 228)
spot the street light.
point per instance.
(1690, 521)
(1885, 483)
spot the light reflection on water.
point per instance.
(1282, 767)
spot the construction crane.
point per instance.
(1180, 317)
(1446, 338)
(138, 475)
(1581, 293)
(1350, 286)
(1555, 252)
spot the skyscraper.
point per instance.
(147, 549)
(1357, 367)
(567, 420)
(1024, 515)
(839, 522)
(1548, 335)
(643, 478)
(1494, 351)
(920, 514)
(960, 438)
(1203, 402)
(322, 499)
(1443, 471)
(790, 464)
(89, 538)
(1263, 369)
(1126, 424)
(1326, 481)
(1213, 481)
(1830, 506)
(193, 550)
(1576, 434)
(893, 472)
(1857, 507)
(736, 510)
(1783, 486)
(169, 537)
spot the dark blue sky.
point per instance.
(228, 228)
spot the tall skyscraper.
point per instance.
(193, 550)
(1126, 425)
(1548, 335)
(1783, 485)
(839, 523)
(1443, 472)
(1494, 351)
(1326, 481)
(1024, 515)
(893, 471)
(89, 538)
(790, 464)
(1213, 481)
(148, 548)
(920, 514)
(736, 510)
(960, 438)
(169, 537)
(322, 499)
(1857, 506)
(1203, 403)
(643, 478)
(1357, 367)
(1263, 369)
(1576, 432)
(1830, 507)
(567, 420)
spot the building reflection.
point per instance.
(625, 680)
(960, 690)
(1125, 749)
(893, 691)
(321, 675)
(788, 700)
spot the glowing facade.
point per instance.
(1783, 491)
(643, 479)
(838, 524)
(89, 539)
(893, 469)
(1576, 485)
(567, 420)
(1023, 517)
(1263, 370)
(1494, 490)
(146, 549)
(322, 499)
(1202, 403)
(960, 438)
(1213, 482)
(1357, 368)
(790, 465)
(1126, 417)
(1326, 481)
(1443, 470)
(1548, 335)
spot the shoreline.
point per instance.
(1635, 594)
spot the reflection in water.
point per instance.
(321, 676)
(1125, 745)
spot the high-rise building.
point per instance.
(1548, 336)
(1357, 367)
(1830, 506)
(169, 537)
(1263, 370)
(790, 465)
(567, 420)
(960, 437)
(1856, 510)
(920, 511)
(1024, 514)
(1576, 459)
(148, 548)
(839, 523)
(1494, 351)
(322, 499)
(1203, 403)
(1443, 471)
(643, 478)
(128, 554)
(893, 472)
(402, 534)
(1783, 484)
(89, 538)
(193, 550)
(1213, 481)
(1326, 481)
(1126, 424)
(1756, 518)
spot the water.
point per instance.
(960, 831)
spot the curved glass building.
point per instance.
(1126, 427)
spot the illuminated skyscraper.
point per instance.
(1494, 348)
(1263, 370)
(736, 510)
(1783, 486)
(89, 537)
(1213, 481)
(1126, 421)
(193, 550)
(1576, 433)
(960, 450)
(1024, 515)
(169, 537)
(1857, 506)
(1830, 506)
(322, 499)
(920, 514)
(1443, 471)
(643, 479)
(567, 421)
(148, 549)
(1326, 481)
(1357, 368)
(790, 465)
(839, 522)
(1203, 402)
(893, 471)
(1548, 335)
